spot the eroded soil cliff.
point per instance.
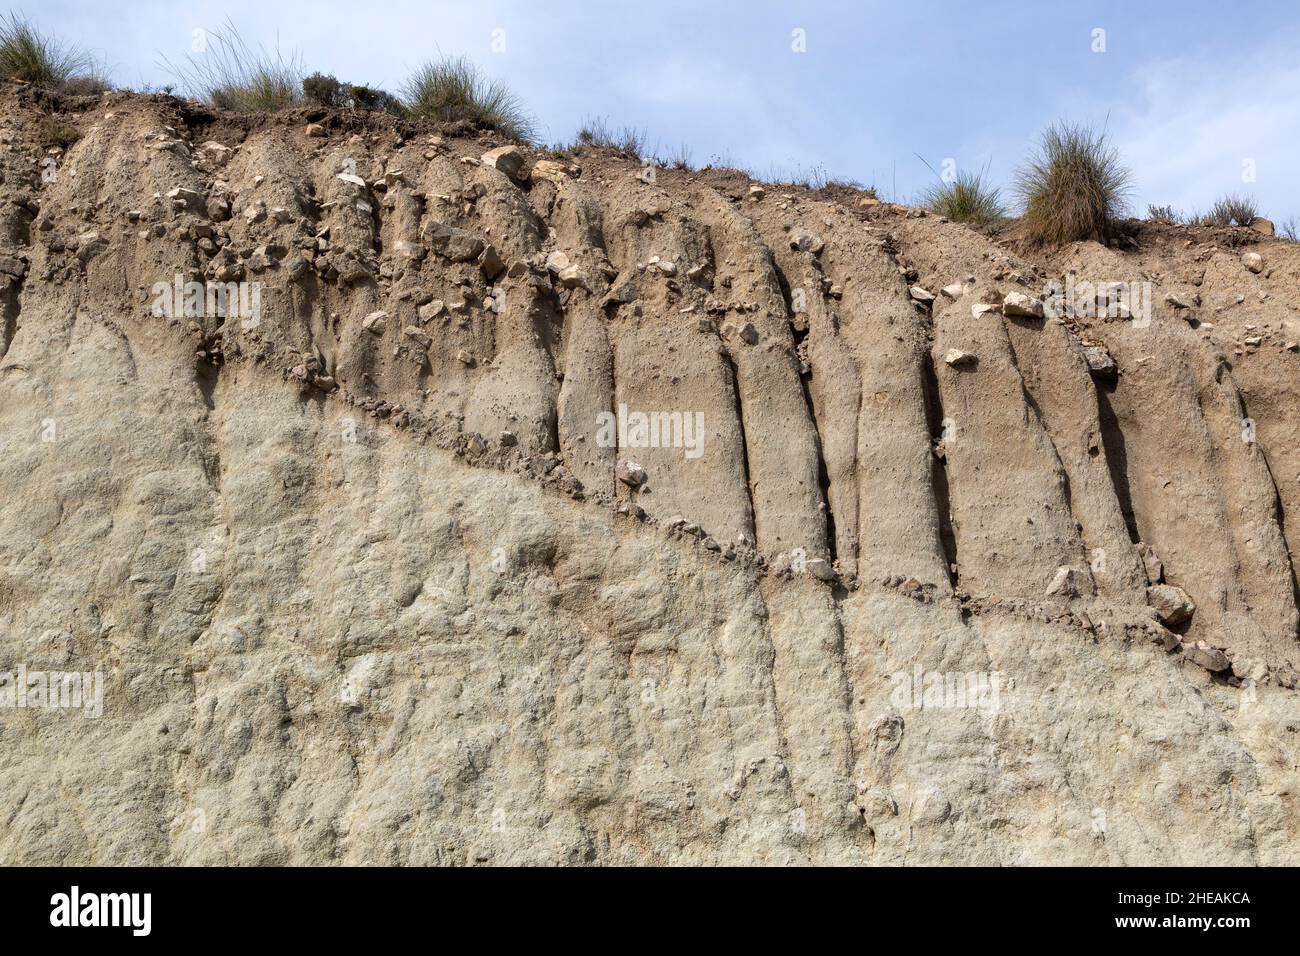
(367, 581)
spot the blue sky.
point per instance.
(1199, 96)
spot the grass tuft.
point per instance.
(814, 178)
(231, 75)
(1074, 187)
(27, 54)
(678, 158)
(55, 132)
(968, 198)
(597, 132)
(453, 89)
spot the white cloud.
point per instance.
(1195, 122)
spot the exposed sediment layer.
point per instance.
(368, 582)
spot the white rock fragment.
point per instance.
(1017, 303)
(803, 240)
(630, 473)
(1064, 584)
(509, 160)
(957, 358)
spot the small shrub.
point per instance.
(452, 89)
(231, 75)
(1074, 187)
(323, 89)
(1164, 214)
(1290, 229)
(968, 198)
(371, 98)
(55, 132)
(29, 55)
(1233, 211)
(597, 132)
(326, 90)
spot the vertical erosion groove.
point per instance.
(800, 336)
(939, 471)
(1112, 439)
(734, 383)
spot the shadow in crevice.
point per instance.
(1112, 439)
(730, 364)
(938, 469)
(206, 376)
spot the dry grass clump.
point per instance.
(453, 89)
(232, 75)
(678, 158)
(1163, 214)
(1233, 210)
(27, 54)
(597, 132)
(1074, 187)
(967, 198)
(55, 132)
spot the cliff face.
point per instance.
(306, 436)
